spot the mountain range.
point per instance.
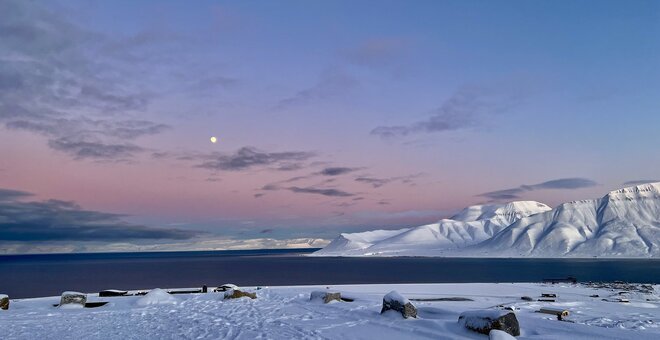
(623, 223)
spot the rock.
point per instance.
(73, 299)
(324, 296)
(4, 302)
(527, 298)
(235, 294)
(225, 287)
(395, 301)
(112, 292)
(496, 334)
(483, 321)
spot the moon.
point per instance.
(214, 140)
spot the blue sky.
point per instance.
(425, 107)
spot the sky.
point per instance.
(330, 116)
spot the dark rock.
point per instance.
(225, 287)
(4, 302)
(73, 299)
(483, 321)
(95, 304)
(442, 299)
(527, 298)
(235, 294)
(112, 292)
(326, 297)
(395, 301)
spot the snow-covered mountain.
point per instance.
(623, 223)
(470, 226)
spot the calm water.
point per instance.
(44, 275)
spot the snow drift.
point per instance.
(623, 223)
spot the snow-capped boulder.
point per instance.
(397, 302)
(73, 299)
(156, 297)
(325, 296)
(225, 287)
(235, 294)
(4, 302)
(496, 334)
(483, 321)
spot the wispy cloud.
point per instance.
(333, 83)
(51, 70)
(641, 181)
(379, 182)
(336, 171)
(249, 157)
(11, 195)
(83, 149)
(562, 183)
(381, 51)
(466, 108)
(320, 191)
(55, 220)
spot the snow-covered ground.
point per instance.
(624, 223)
(287, 313)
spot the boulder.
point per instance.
(112, 292)
(325, 296)
(225, 287)
(483, 321)
(395, 301)
(235, 294)
(4, 302)
(73, 299)
(496, 334)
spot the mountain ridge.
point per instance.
(622, 223)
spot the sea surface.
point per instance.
(46, 275)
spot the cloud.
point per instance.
(336, 171)
(318, 191)
(249, 157)
(209, 85)
(641, 181)
(379, 182)
(465, 109)
(55, 220)
(562, 183)
(332, 84)
(82, 149)
(377, 51)
(51, 70)
(11, 195)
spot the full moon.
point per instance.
(213, 139)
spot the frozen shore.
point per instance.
(288, 313)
